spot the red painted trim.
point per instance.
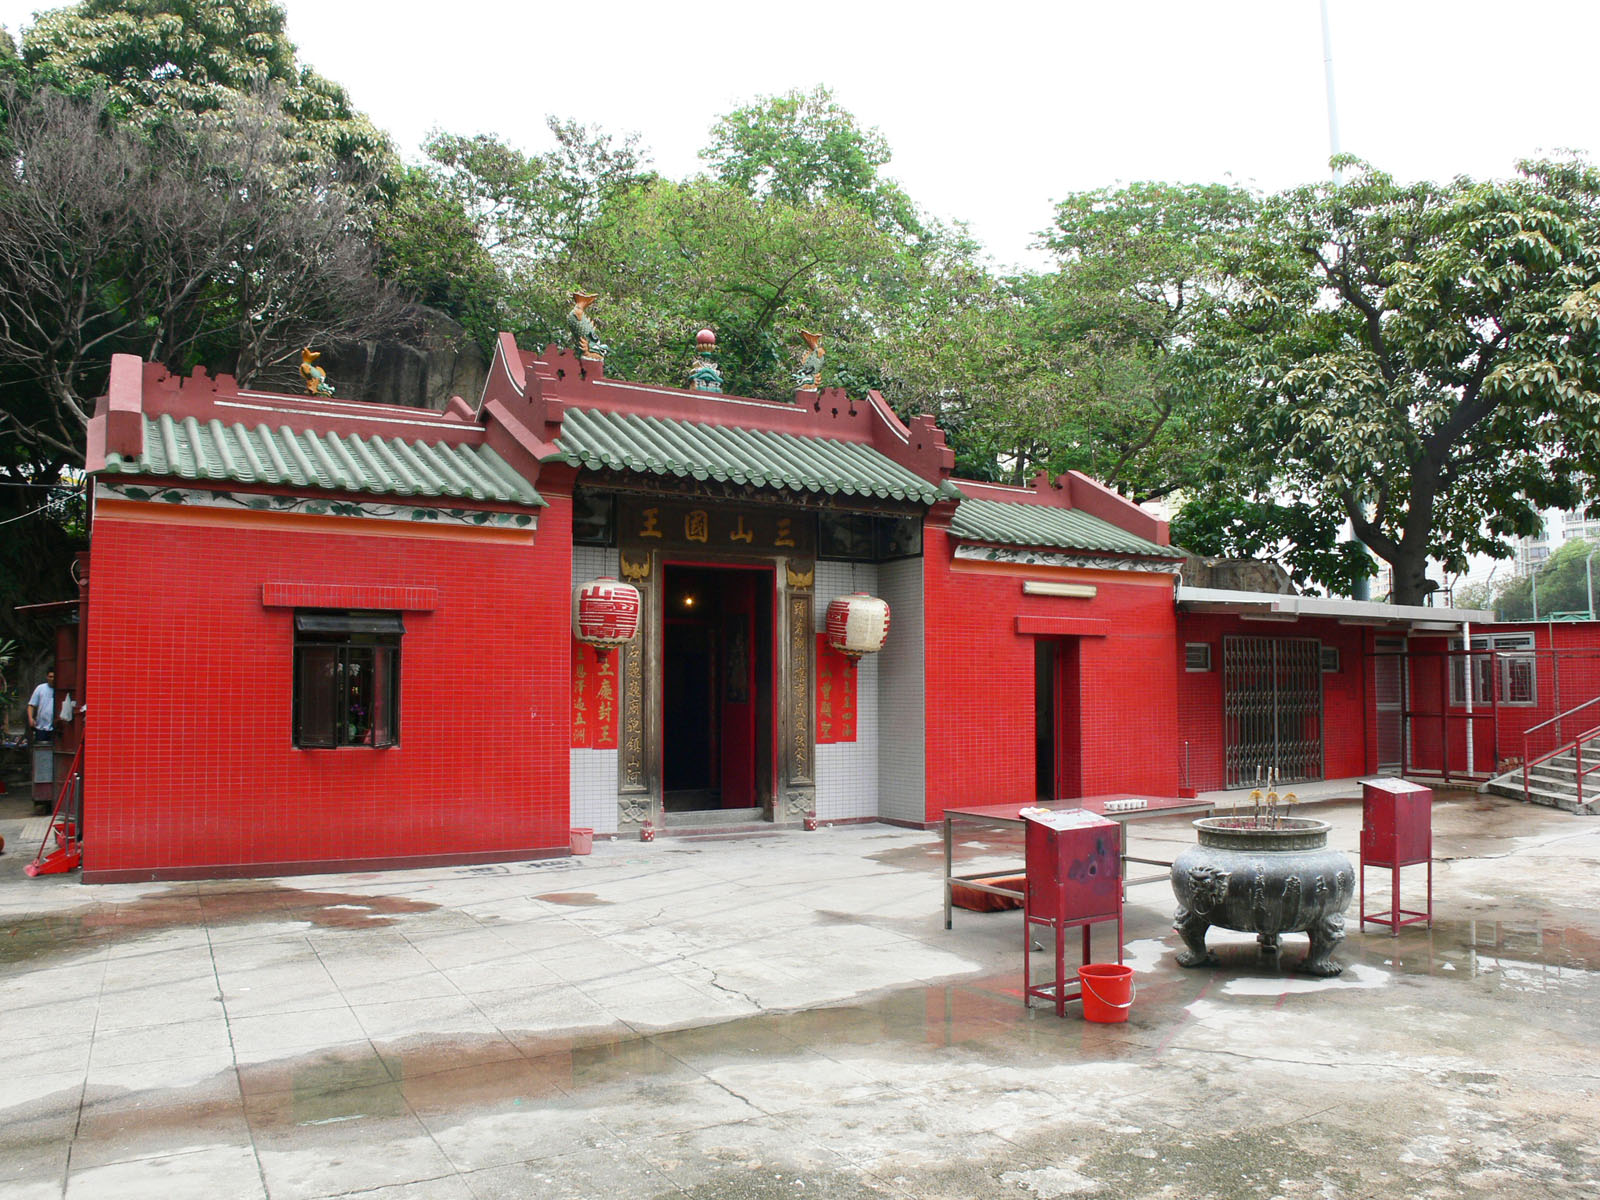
(329, 595)
(324, 867)
(1097, 500)
(1063, 626)
(558, 380)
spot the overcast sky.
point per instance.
(993, 111)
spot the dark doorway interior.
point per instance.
(1058, 719)
(716, 670)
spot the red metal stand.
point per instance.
(68, 852)
(1074, 881)
(1396, 831)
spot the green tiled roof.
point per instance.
(347, 463)
(1000, 523)
(665, 446)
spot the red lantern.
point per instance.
(857, 624)
(605, 613)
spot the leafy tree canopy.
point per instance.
(1422, 360)
(163, 61)
(207, 249)
(670, 258)
(802, 147)
(1564, 581)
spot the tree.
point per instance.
(204, 248)
(429, 247)
(535, 206)
(1422, 361)
(1138, 270)
(164, 62)
(800, 148)
(1564, 581)
(670, 258)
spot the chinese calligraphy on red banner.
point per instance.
(836, 695)
(594, 698)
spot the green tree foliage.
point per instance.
(1138, 270)
(488, 233)
(430, 247)
(671, 258)
(163, 62)
(1216, 522)
(202, 249)
(802, 147)
(1421, 360)
(1564, 582)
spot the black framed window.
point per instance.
(866, 537)
(346, 678)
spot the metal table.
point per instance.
(1001, 815)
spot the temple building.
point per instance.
(323, 635)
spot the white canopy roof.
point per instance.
(1271, 606)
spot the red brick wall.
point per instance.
(190, 768)
(1346, 695)
(980, 681)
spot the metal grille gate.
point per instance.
(1272, 708)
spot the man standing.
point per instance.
(42, 710)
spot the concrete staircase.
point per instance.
(1554, 782)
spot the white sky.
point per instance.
(993, 113)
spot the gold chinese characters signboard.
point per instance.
(712, 528)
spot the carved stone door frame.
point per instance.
(797, 760)
(639, 751)
(639, 746)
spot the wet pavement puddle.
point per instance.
(190, 906)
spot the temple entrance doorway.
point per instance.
(717, 689)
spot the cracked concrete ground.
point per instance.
(784, 1015)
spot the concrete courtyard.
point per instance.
(784, 1015)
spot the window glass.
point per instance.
(593, 519)
(1510, 675)
(314, 690)
(346, 679)
(385, 691)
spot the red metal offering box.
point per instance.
(1396, 823)
(1396, 831)
(1074, 866)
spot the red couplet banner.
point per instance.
(836, 694)
(594, 698)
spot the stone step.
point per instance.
(1551, 797)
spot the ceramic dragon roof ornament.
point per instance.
(585, 334)
(809, 377)
(316, 378)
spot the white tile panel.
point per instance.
(593, 773)
(902, 759)
(847, 772)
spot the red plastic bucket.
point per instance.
(1107, 991)
(582, 841)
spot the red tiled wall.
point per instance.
(189, 764)
(980, 684)
(1346, 696)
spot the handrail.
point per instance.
(1576, 746)
(1577, 761)
(1559, 717)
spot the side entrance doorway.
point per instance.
(1058, 719)
(717, 712)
